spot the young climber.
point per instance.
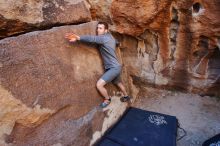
(107, 45)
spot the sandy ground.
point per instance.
(199, 116)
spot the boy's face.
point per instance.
(101, 29)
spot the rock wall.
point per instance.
(49, 91)
(18, 17)
(48, 94)
(176, 43)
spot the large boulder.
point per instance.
(22, 16)
(134, 17)
(48, 89)
(101, 10)
(172, 44)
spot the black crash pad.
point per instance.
(142, 128)
(214, 141)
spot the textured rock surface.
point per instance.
(175, 44)
(101, 10)
(134, 17)
(48, 92)
(22, 16)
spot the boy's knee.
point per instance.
(99, 85)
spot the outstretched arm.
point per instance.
(92, 39)
(85, 38)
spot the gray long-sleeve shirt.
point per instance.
(107, 48)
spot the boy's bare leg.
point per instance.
(122, 88)
(100, 86)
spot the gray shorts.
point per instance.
(112, 75)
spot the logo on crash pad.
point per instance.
(157, 120)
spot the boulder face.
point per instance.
(48, 88)
(44, 62)
(176, 42)
(22, 16)
(101, 10)
(134, 17)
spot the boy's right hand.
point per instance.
(72, 37)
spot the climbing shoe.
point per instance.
(105, 103)
(125, 98)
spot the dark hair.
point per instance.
(104, 23)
